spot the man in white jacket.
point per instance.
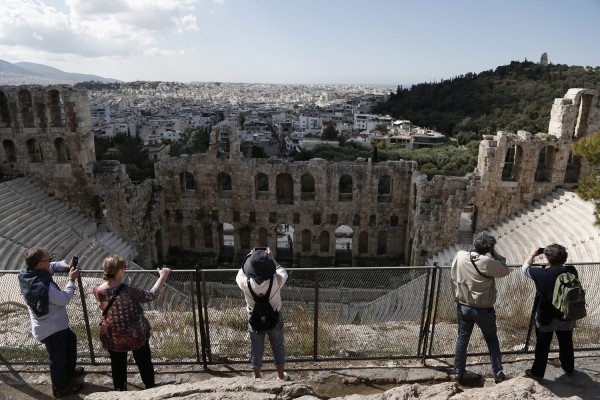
(473, 276)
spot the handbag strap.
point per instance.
(112, 300)
(473, 262)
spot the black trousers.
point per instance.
(566, 353)
(143, 360)
(62, 357)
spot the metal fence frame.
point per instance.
(345, 295)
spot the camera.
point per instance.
(260, 248)
(540, 250)
(75, 261)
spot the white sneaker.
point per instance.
(286, 377)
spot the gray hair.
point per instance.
(484, 242)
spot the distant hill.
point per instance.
(26, 73)
(512, 97)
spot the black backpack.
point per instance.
(262, 317)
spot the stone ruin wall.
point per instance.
(441, 200)
(250, 211)
(418, 219)
(46, 135)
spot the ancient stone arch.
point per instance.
(56, 107)
(60, 148)
(5, 120)
(261, 186)
(345, 188)
(307, 187)
(10, 153)
(26, 108)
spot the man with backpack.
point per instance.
(548, 318)
(261, 280)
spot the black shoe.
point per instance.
(500, 377)
(77, 372)
(72, 389)
(530, 374)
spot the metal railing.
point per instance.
(329, 314)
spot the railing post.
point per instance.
(436, 283)
(86, 319)
(192, 297)
(316, 319)
(203, 338)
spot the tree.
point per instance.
(330, 133)
(383, 128)
(588, 149)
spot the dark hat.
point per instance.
(259, 265)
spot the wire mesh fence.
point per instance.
(329, 314)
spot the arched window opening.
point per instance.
(26, 108)
(512, 163)
(363, 243)
(263, 237)
(343, 245)
(262, 186)
(224, 183)
(245, 239)
(61, 151)
(545, 165)
(573, 169)
(306, 241)
(227, 240)
(345, 188)
(34, 151)
(384, 189)
(5, 120)
(10, 154)
(56, 107)
(324, 242)
(285, 189)
(192, 236)
(208, 237)
(187, 181)
(307, 187)
(372, 220)
(382, 243)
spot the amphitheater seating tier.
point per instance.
(561, 217)
(30, 217)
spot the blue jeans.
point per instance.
(257, 345)
(485, 318)
(62, 357)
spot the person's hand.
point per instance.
(535, 251)
(164, 272)
(74, 273)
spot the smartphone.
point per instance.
(75, 261)
(541, 250)
(260, 248)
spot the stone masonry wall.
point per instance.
(206, 203)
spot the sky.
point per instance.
(296, 41)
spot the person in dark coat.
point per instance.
(546, 320)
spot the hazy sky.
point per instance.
(301, 41)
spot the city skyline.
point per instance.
(308, 42)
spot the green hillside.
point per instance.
(513, 97)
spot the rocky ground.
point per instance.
(373, 380)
